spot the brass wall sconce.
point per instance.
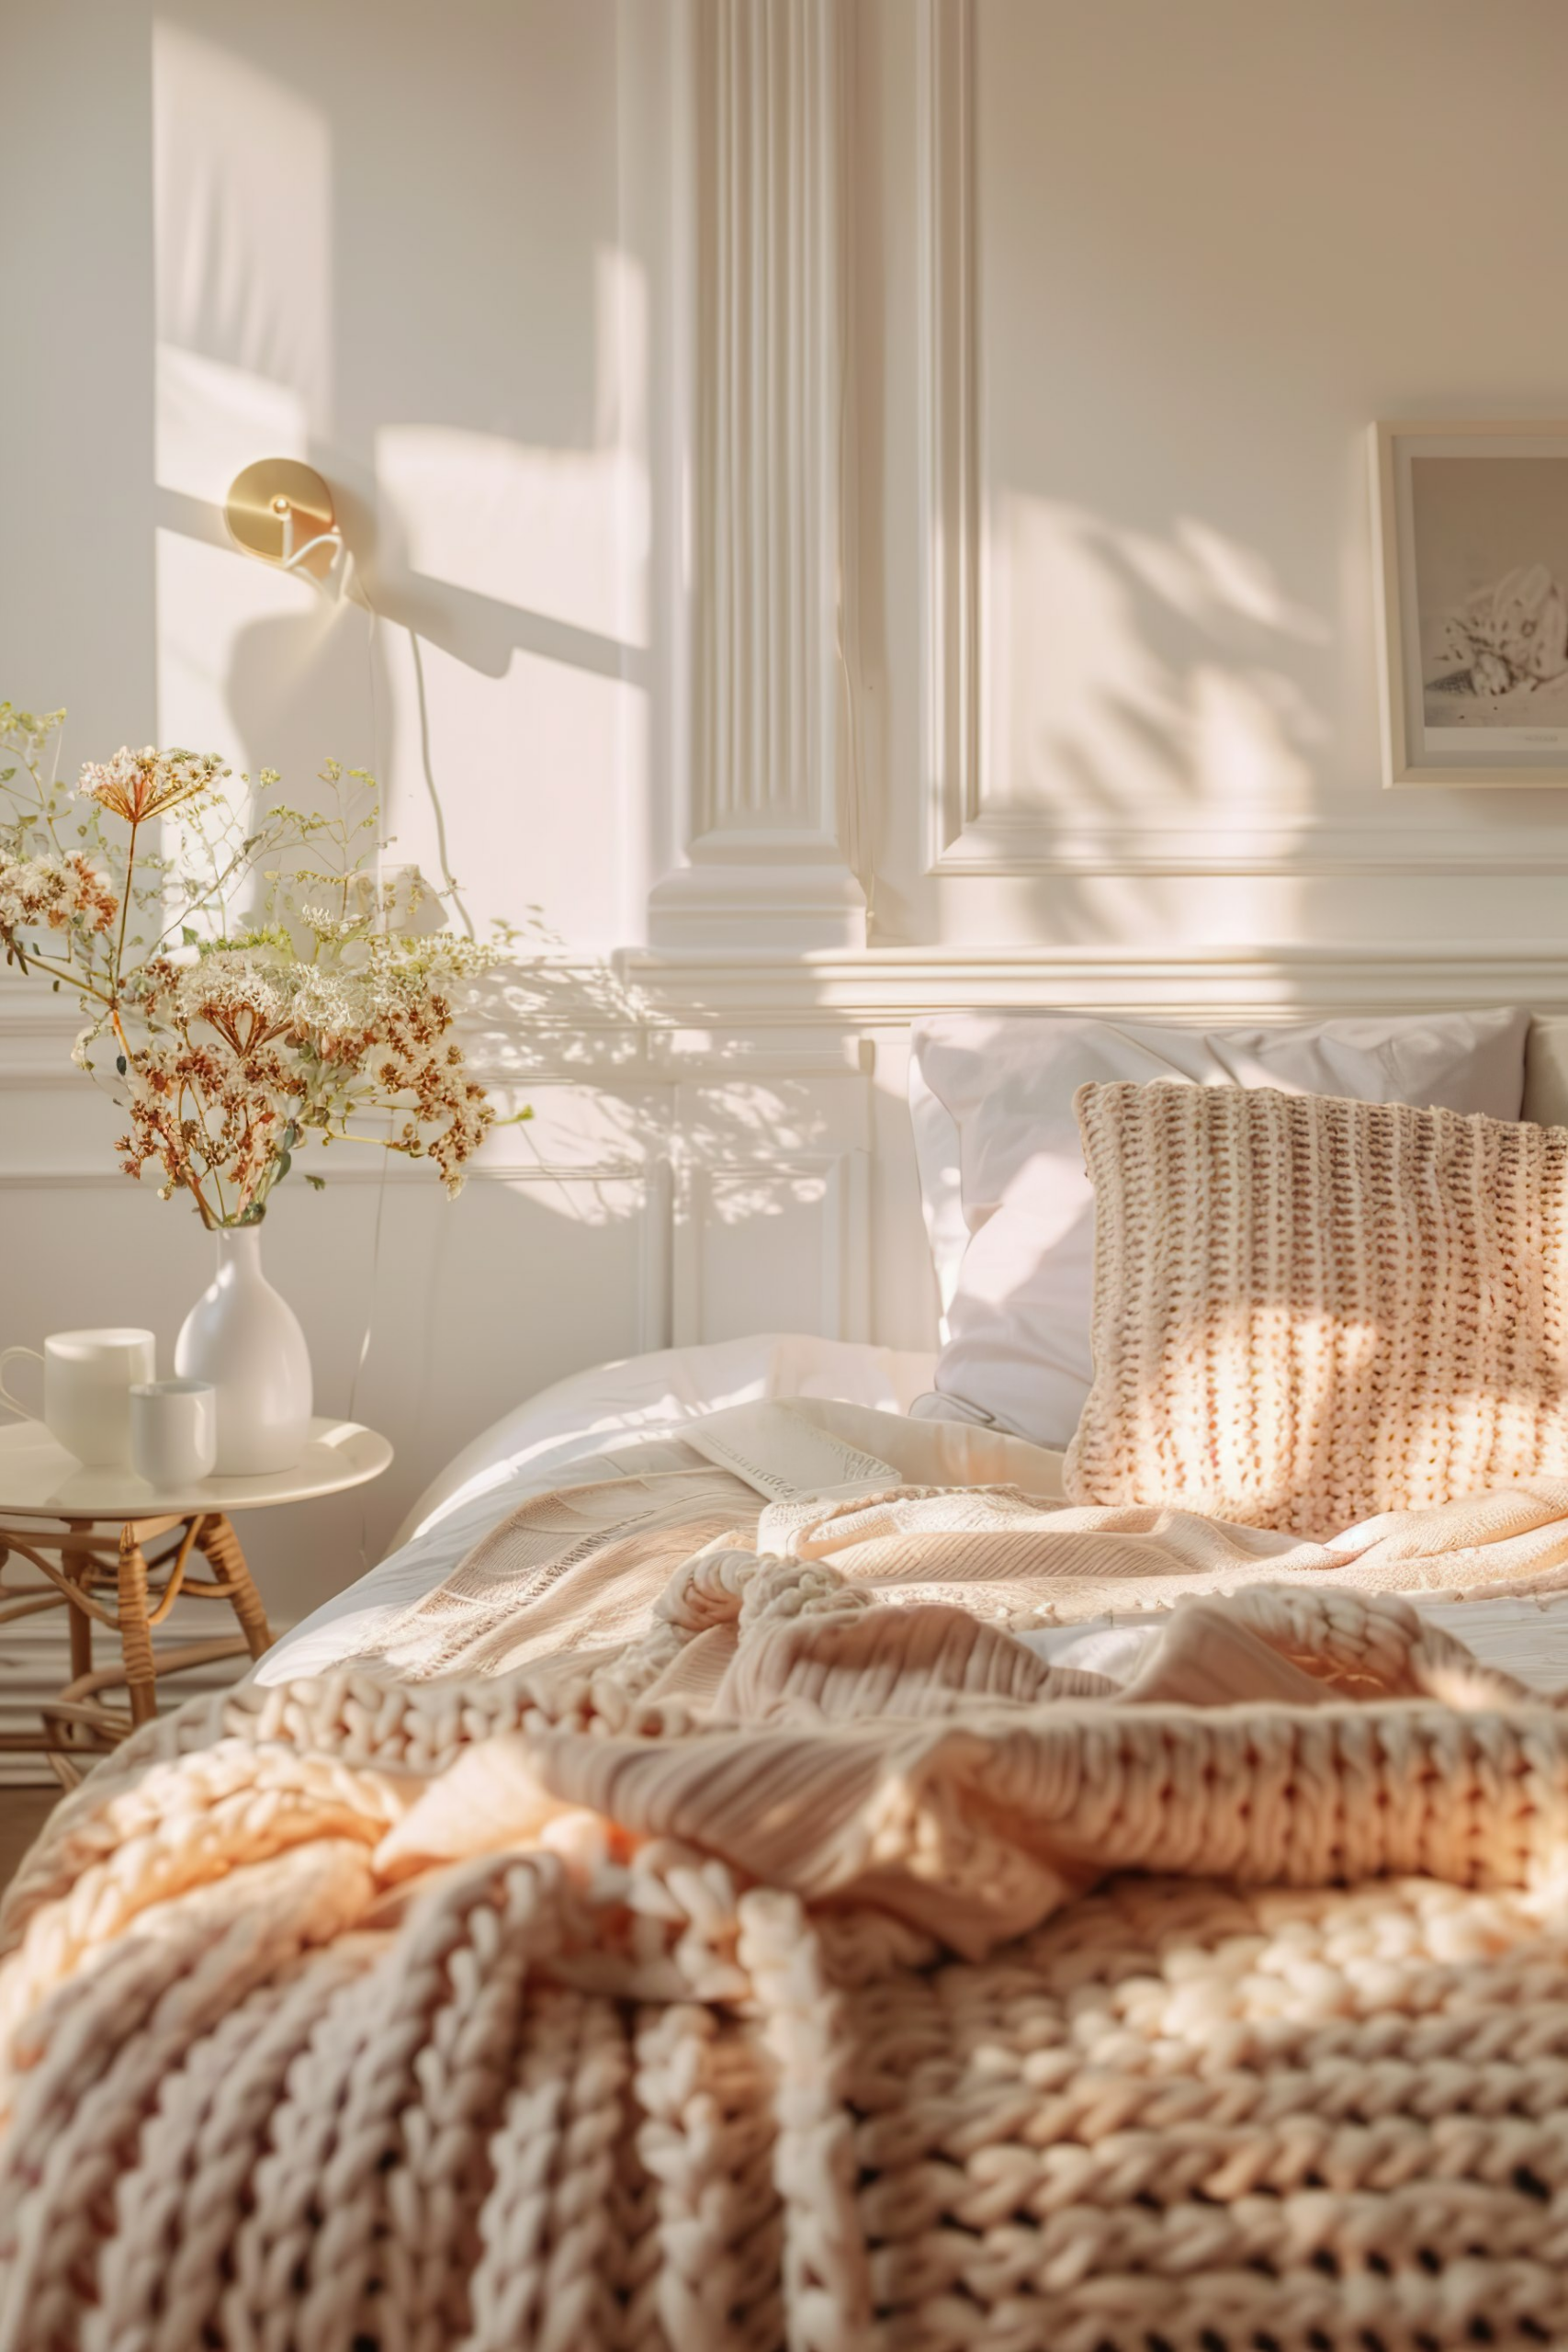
(281, 511)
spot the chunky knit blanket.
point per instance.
(814, 1965)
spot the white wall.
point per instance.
(1210, 244)
(1173, 260)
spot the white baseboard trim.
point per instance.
(35, 1666)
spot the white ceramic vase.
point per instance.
(246, 1341)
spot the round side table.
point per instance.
(112, 1551)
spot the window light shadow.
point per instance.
(1135, 675)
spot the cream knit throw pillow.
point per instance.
(1307, 1311)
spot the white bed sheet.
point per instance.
(603, 1418)
(599, 1423)
(1520, 1637)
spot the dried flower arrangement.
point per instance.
(250, 987)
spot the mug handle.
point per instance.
(6, 1396)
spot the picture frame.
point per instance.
(1470, 548)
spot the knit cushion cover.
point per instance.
(1308, 1311)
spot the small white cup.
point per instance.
(174, 1431)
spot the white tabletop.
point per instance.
(39, 1480)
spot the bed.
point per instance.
(756, 1866)
(619, 1418)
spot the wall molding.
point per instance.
(965, 835)
(886, 988)
(948, 507)
(702, 1014)
(1008, 845)
(769, 724)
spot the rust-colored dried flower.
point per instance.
(138, 786)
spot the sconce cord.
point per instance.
(374, 1284)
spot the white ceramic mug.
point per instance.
(174, 1431)
(87, 1380)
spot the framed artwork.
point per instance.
(1471, 526)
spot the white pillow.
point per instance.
(1009, 1209)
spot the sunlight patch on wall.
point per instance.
(243, 219)
(549, 760)
(212, 419)
(1134, 677)
(536, 529)
(561, 533)
(242, 235)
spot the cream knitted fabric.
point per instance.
(655, 2041)
(1309, 1310)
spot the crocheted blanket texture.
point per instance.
(813, 1966)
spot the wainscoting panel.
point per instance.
(769, 1247)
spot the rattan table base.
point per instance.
(125, 1577)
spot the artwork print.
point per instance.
(1491, 545)
(1469, 537)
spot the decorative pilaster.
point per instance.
(768, 810)
(949, 471)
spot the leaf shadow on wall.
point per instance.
(1142, 678)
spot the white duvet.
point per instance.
(611, 1422)
(595, 1425)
